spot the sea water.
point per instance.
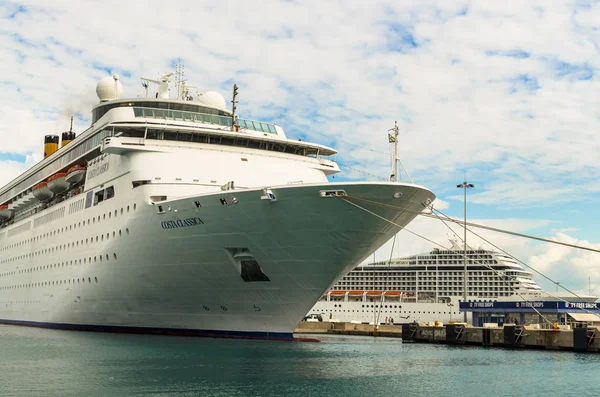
(41, 362)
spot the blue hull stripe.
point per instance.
(155, 331)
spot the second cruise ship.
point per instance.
(428, 287)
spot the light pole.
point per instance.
(465, 185)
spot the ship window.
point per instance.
(110, 192)
(140, 183)
(98, 197)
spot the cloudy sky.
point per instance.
(506, 93)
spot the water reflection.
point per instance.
(47, 362)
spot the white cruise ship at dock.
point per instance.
(174, 216)
(428, 287)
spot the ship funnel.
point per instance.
(50, 144)
(66, 138)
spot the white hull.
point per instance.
(400, 312)
(152, 276)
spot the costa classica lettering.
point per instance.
(176, 224)
(97, 171)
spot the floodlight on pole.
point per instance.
(465, 185)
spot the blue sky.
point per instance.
(504, 93)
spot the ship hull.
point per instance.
(130, 266)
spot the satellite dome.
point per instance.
(214, 99)
(109, 88)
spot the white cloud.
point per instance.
(505, 91)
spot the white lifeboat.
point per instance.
(5, 213)
(41, 191)
(57, 182)
(75, 174)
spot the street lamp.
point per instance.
(450, 305)
(465, 185)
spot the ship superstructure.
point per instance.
(174, 215)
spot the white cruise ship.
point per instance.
(428, 287)
(173, 215)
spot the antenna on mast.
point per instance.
(180, 79)
(234, 125)
(393, 138)
(71, 127)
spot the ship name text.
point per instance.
(176, 224)
(97, 171)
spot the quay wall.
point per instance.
(514, 337)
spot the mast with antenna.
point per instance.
(234, 108)
(179, 79)
(393, 138)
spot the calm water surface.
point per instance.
(38, 362)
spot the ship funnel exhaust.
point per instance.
(68, 136)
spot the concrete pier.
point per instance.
(514, 337)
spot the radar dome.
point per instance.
(109, 88)
(214, 99)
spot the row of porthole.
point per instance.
(49, 283)
(62, 264)
(12, 302)
(386, 311)
(62, 247)
(69, 228)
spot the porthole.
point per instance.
(104, 217)
(89, 280)
(127, 230)
(127, 208)
(134, 206)
(121, 211)
(96, 280)
(107, 257)
(115, 256)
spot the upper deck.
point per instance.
(165, 119)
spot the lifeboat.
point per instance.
(393, 293)
(41, 191)
(5, 213)
(337, 293)
(57, 182)
(356, 293)
(75, 174)
(373, 293)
